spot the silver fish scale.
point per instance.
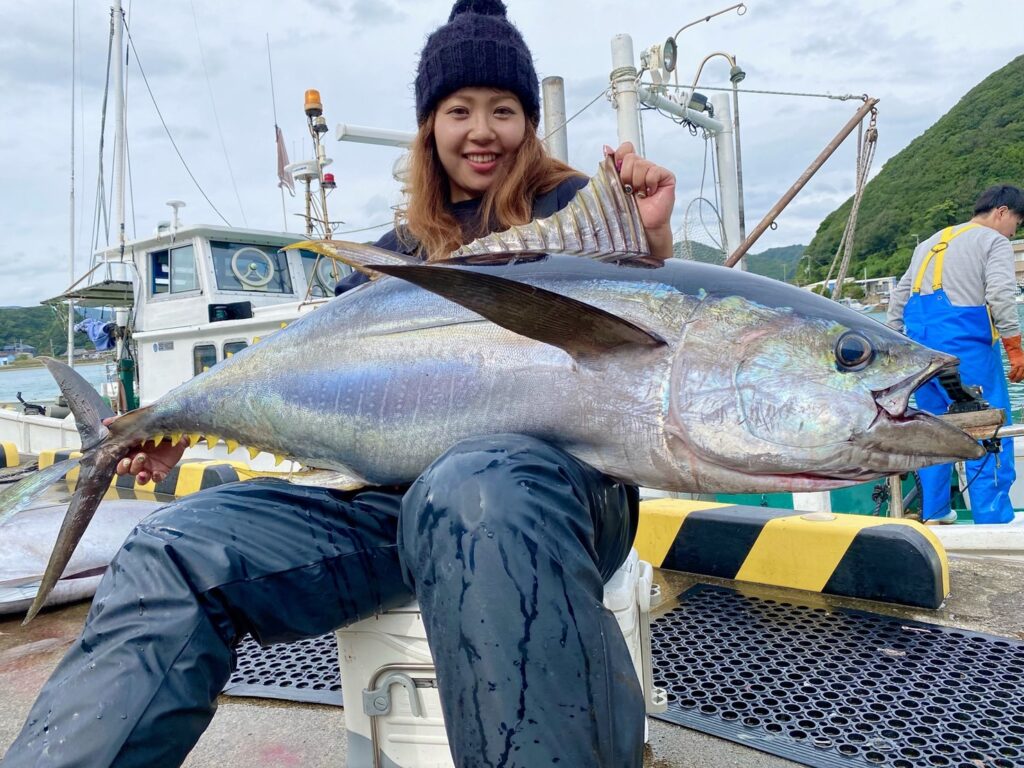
(378, 384)
(600, 222)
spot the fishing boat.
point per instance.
(189, 296)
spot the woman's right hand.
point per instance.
(153, 464)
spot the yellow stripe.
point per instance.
(11, 455)
(781, 554)
(190, 478)
(660, 521)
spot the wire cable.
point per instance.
(216, 118)
(167, 130)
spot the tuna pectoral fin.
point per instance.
(21, 495)
(82, 398)
(580, 329)
(94, 479)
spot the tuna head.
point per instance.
(802, 397)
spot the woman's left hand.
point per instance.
(655, 190)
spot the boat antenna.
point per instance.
(278, 137)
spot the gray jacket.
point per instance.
(977, 270)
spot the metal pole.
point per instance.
(651, 99)
(728, 192)
(739, 159)
(895, 496)
(624, 93)
(555, 136)
(119, 140)
(71, 240)
(800, 182)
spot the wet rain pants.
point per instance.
(506, 542)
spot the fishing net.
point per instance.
(700, 236)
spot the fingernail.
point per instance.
(608, 150)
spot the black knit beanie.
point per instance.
(478, 47)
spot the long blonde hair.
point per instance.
(426, 219)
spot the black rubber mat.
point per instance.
(306, 670)
(839, 688)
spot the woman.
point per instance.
(505, 540)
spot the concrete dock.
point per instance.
(986, 597)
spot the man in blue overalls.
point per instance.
(959, 296)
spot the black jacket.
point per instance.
(466, 212)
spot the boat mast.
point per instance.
(119, 124)
(71, 239)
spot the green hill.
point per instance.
(779, 263)
(40, 327)
(934, 181)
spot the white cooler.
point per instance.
(392, 708)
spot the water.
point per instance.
(37, 385)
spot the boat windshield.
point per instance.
(322, 274)
(248, 267)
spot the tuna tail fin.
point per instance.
(84, 401)
(102, 449)
(96, 470)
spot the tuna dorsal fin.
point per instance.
(580, 329)
(601, 222)
(359, 256)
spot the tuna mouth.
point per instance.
(908, 438)
(895, 400)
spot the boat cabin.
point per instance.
(196, 295)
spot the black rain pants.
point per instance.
(505, 541)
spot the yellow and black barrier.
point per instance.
(185, 478)
(9, 455)
(897, 561)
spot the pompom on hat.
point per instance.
(478, 47)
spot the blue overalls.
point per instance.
(968, 333)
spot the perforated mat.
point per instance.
(823, 688)
(306, 670)
(839, 688)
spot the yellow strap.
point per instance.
(938, 252)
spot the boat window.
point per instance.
(247, 267)
(173, 270)
(230, 347)
(204, 357)
(328, 273)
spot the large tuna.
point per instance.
(679, 376)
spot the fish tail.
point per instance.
(102, 448)
(84, 401)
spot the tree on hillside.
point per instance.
(934, 181)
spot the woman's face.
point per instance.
(476, 130)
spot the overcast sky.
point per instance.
(206, 63)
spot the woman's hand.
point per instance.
(153, 464)
(655, 190)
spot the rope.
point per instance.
(866, 151)
(579, 112)
(100, 209)
(842, 97)
(168, 131)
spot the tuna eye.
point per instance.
(853, 351)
